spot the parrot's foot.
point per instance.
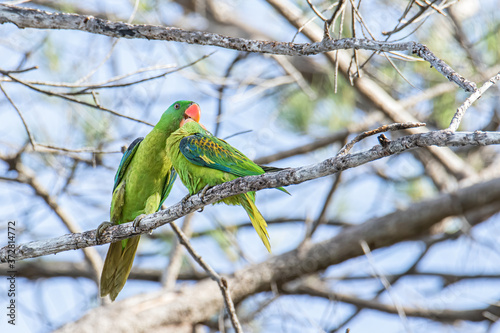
(202, 196)
(137, 221)
(101, 228)
(203, 192)
(184, 200)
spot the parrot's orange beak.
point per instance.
(193, 112)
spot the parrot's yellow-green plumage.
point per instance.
(202, 159)
(142, 182)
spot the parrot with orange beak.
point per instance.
(142, 183)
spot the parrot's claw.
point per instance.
(184, 200)
(202, 196)
(137, 221)
(203, 192)
(101, 228)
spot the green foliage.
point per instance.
(417, 189)
(444, 107)
(220, 237)
(331, 110)
(95, 127)
(297, 112)
(50, 51)
(492, 40)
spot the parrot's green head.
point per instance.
(175, 116)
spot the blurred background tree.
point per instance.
(64, 124)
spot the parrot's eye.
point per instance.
(177, 106)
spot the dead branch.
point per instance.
(38, 19)
(252, 183)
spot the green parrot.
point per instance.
(203, 160)
(142, 183)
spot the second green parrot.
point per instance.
(201, 159)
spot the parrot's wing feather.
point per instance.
(268, 168)
(126, 158)
(169, 182)
(209, 151)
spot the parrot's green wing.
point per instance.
(209, 151)
(169, 182)
(126, 158)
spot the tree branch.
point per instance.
(39, 268)
(457, 118)
(313, 289)
(221, 281)
(38, 19)
(252, 183)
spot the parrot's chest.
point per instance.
(145, 181)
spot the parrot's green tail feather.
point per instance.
(257, 219)
(283, 190)
(117, 267)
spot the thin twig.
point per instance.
(221, 281)
(312, 19)
(355, 52)
(17, 71)
(121, 85)
(35, 144)
(321, 217)
(316, 11)
(106, 83)
(218, 119)
(457, 118)
(175, 261)
(30, 136)
(328, 23)
(387, 285)
(52, 93)
(341, 28)
(289, 69)
(383, 128)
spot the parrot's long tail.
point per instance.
(117, 266)
(258, 222)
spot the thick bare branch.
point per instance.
(317, 290)
(252, 183)
(39, 268)
(38, 19)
